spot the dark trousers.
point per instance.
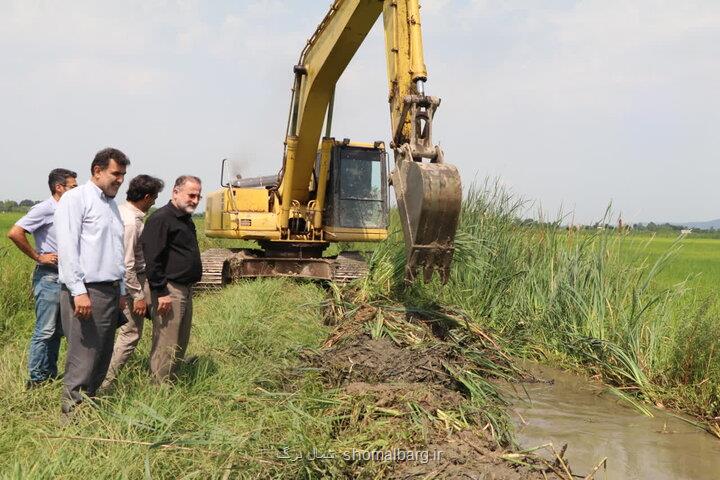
(90, 341)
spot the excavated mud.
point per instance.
(393, 375)
(468, 455)
(363, 359)
(428, 396)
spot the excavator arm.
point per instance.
(428, 191)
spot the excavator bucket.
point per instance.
(429, 197)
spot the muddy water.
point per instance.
(596, 425)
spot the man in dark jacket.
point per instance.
(173, 266)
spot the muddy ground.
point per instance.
(406, 367)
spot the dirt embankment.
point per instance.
(421, 377)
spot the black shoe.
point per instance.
(191, 360)
(66, 418)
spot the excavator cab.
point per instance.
(428, 194)
(357, 187)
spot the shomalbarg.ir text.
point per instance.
(353, 455)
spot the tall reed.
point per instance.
(569, 294)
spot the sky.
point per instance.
(572, 105)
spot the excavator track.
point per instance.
(223, 265)
(214, 269)
(349, 266)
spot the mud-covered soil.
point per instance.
(470, 455)
(428, 396)
(362, 359)
(388, 374)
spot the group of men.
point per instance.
(100, 267)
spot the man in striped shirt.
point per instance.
(141, 195)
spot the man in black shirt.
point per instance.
(173, 266)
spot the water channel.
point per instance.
(597, 424)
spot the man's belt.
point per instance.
(109, 283)
(52, 268)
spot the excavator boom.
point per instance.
(428, 191)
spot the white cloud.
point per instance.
(568, 101)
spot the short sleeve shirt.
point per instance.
(39, 221)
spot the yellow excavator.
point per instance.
(331, 190)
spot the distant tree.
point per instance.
(27, 203)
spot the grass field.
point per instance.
(697, 260)
(616, 306)
(15, 298)
(272, 394)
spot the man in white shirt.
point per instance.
(91, 270)
(141, 195)
(45, 341)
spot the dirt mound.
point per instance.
(391, 395)
(405, 372)
(468, 454)
(363, 359)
